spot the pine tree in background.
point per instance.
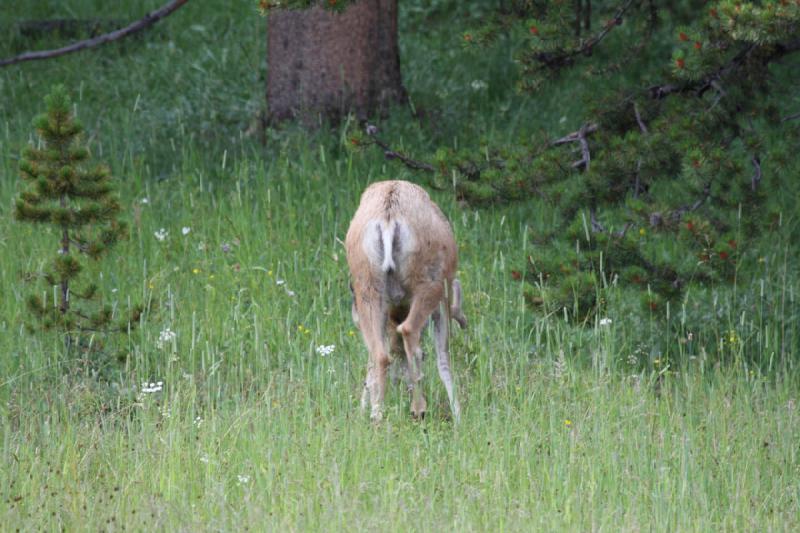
(79, 202)
(664, 187)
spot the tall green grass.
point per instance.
(645, 423)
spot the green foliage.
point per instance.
(79, 202)
(674, 162)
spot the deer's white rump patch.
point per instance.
(387, 243)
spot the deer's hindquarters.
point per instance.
(402, 257)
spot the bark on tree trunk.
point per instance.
(324, 64)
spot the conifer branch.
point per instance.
(81, 246)
(567, 57)
(579, 137)
(793, 116)
(597, 227)
(678, 213)
(94, 329)
(584, 162)
(575, 135)
(388, 153)
(636, 183)
(713, 80)
(639, 120)
(756, 179)
(148, 20)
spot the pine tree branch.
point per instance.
(658, 92)
(597, 227)
(637, 181)
(678, 213)
(148, 20)
(566, 57)
(579, 137)
(81, 295)
(756, 179)
(388, 153)
(712, 81)
(85, 328)
(787, 118)
(82, 247)
(639, 118)
(576, 135)
(614, 21)
(584, 162)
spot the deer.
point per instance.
(403, 258)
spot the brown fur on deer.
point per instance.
(403, 258)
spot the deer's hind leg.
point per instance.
(372, 321)
(441, 332)
(424, 302)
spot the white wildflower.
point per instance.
(282, 283)
(165, 337)
(478, 85)
(152, 386)
(185, 230)
(198, 421)
(605, 321)
(204, 458)
(145, 200)
(325, 350)
(243, 479)
(161, 234)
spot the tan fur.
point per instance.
(403, 258)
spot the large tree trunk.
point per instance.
(325, 64)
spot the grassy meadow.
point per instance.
(220, 413)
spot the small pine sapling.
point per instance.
(79, 202)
